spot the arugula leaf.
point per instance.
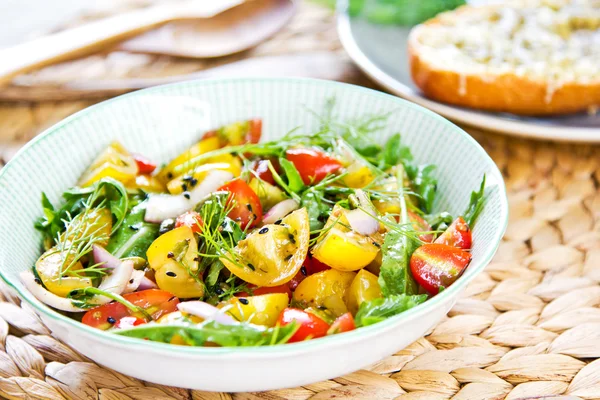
(394, 152)
(475, 205)
(134, 236)
(213, 273)
(376, 310)
(424, 184)
(238, 335)
(294, 179)
(395, 276)
(438, 220)
(318, 211)
(52, 223)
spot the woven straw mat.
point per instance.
(528, 327)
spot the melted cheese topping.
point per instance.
(554, 41)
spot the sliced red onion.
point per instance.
(361, 222)
(46, 297)
(280, 210)
(146, 284)
(163, 206)
(101, 255)
(117, 280)
(206, 311)
(134, 281)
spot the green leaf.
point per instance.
(475, 205)
(238, 335)
(134, 236)
(81, 298)
(294, 179)
(318, 211)
(213, 273)
(395, 276)
(376, 310)
(424, 184)
(394, 153)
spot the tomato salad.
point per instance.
(237, 242)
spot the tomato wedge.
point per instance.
(156, 303)
(420, 225)
(244, 203)
(262, 171)
(145, 166)
(312, 164)
(458, 235)
(254, 131)
(343, 323)
(310, 326)
(191, 219)
(437, 266)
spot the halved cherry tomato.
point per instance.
(458, 235)
(254, 130)
(262, 171)
(312, 164)
(156, 303)
(257, 291)
(145, 166)
(420, 225)
(310, 326)
(129, 322)
(191, 219)
(343, 323)
(244, 203)
(437, 266)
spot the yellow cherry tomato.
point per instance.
(268, 194)
(203, 146)
(148, 183)
(179, 184)
(364, 287)
(273, 254)
(341, 248)
(358, 175)
(327, 289)
(96, 222)
(260, 310)
(114, 162)
(173, 257)
(49, 268)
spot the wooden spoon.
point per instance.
(95, 35)
(232, 31)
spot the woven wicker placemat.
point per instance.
(528, 327)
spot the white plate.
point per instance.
(381, 52)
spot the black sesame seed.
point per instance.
(171, 274)
(172, 298)
(170, 254)
(134, 227)
(131, 281)
(244, 301)
(111, 320)
(186, 195)
(219, 291)
(278, 222)
(184, 187)
(288, 257)
(249, 207)
(193, 182)
(303, 270)
(169, 175)
(187, 178)
(376, 244)
(251, 267)
(196, 259)
(263, 230)
(292, 238)
(38, 281)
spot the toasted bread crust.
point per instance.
(507, 92)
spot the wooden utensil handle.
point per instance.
(78, 41)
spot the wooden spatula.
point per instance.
(94, 36)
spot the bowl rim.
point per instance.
(287, 348)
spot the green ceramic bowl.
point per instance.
(162, 121)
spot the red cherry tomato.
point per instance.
(191, 219)
(244, 203)
(254, 131)
(262, 171)
(156, 302)
(312, 164)
(458, 235)
(420, 225)
(257, 291)
(310, 326)
(129, 322)
(435, 266)
(343, 323)
(145, 166)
